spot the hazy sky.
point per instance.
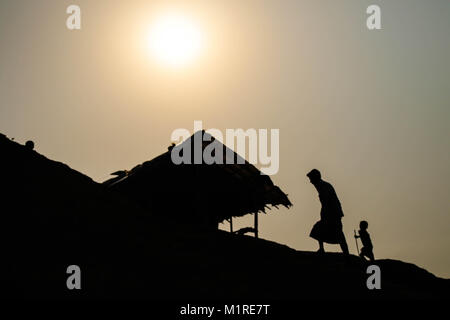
(370, 109)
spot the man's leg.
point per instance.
(321, 249)
(344, 246)
(343, 242)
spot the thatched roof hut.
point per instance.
(199, 193)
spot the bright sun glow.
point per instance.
(175, 40)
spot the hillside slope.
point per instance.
(54, 217)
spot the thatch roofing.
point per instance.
(188, 191)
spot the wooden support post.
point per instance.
(256, 225)
(231, 224)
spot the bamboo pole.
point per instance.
(256, 225)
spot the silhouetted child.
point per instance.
(367, 249)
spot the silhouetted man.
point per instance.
(329, 228)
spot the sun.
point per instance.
(175, 40)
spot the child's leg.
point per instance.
(363, 253)
(370, 255)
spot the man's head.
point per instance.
(363, 225)
(314, 176)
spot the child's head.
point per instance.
(363, 225)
